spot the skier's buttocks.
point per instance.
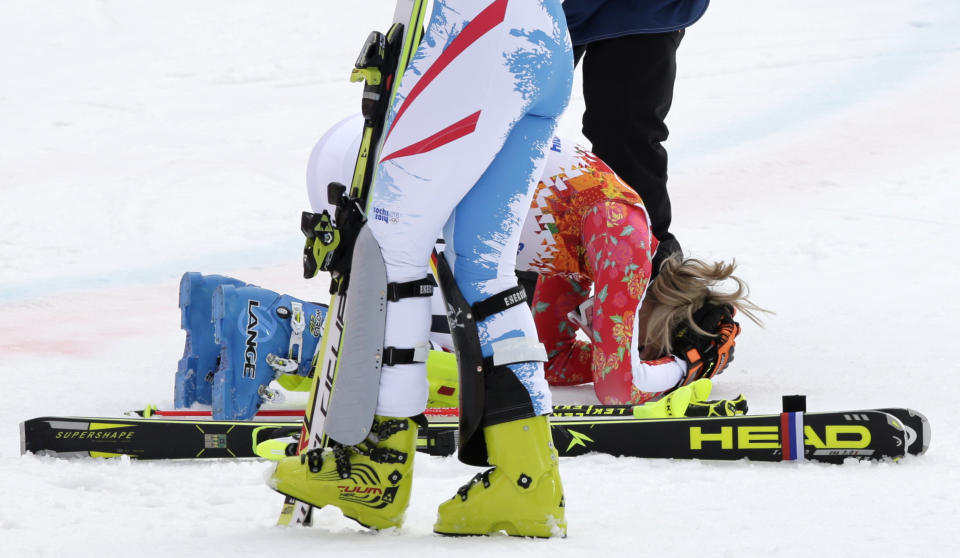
(463, 146)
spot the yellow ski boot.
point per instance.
(522, 495)
(370, 482)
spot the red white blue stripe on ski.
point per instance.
(791, 436)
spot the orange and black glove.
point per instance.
(707, 355)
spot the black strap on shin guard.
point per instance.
(499, 302)
(418, 288)
(411, 289)
(393, 356)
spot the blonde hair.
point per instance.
(683, 287)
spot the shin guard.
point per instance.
(490, 392)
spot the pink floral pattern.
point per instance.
(617, 246)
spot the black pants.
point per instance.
(628, 90)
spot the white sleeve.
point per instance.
(653, 376)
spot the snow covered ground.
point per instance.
(817, 142)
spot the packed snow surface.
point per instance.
(816, 142)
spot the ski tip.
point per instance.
(23, 438)
(926, 432)
(894, 421)
(916, 424)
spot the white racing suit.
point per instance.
(464, 146)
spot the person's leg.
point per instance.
(628, 87)
(475, 75)
(441, 139)
(619, 249)
(569, 358)
(485, 256)
(522, 494)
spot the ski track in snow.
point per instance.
(815, 142)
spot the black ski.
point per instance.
(143, 438)
(829, 437)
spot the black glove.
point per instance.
(707, 355)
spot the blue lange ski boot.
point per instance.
(262, 334)
(195, 371)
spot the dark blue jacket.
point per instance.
(593, 20)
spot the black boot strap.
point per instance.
(483, 477)
(314, 459)
(386, 428)
(387, 455)
(341, 456)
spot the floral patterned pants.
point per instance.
(618, 247)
